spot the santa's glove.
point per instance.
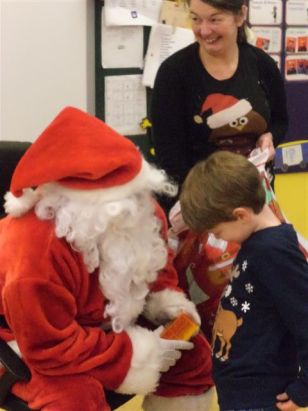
(163, 306)
(151, 355)
(170, 350)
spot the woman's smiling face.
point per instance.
(215, 29)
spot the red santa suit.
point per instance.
(74, 333)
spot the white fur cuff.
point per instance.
(143, 376)
(166, 305)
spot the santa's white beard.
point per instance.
(122, 238)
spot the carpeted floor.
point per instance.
(135, 405)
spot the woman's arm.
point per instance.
(168, 119)
(274, 87)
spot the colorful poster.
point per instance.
(267, 12)
(296, 67)
(267, 38)
(297, 12)
(296, 40)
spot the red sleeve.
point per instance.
(167, 277)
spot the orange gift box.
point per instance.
(182, 328)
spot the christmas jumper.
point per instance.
(260, 335)
(193, 114)
(54, 309)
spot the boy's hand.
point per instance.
(284, 403)
(264, 142)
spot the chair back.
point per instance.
(10, 154)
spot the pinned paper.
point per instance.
(175, 14)
(164, 41)
(125, 103)
(132, 12)
(265, 12)
(268, 38)
(121, 46)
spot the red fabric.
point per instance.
(217, 102)
(55, 309)
(195, 264)
(192, 373)
(99, 157)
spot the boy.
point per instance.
(260, 335)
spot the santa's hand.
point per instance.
(151, 355)
(166, 305)
(170, 350)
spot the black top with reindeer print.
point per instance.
(260, 335)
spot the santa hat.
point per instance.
(220, 253)
(225, 109)
(80, 152)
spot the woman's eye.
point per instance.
(196, 20)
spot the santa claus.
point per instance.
(83, 257)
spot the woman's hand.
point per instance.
(265, 141)
(284, 403)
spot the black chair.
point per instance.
(10, 154)
(14, 368)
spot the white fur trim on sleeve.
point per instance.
(167, 304)
(18, 206)
(143, 375)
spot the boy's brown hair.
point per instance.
(216, 186)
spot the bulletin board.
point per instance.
(280, 28)
(166, 29)
(143, 141)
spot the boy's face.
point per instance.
(236, 231)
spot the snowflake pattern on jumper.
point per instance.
(244, 265)
(249, 288)
(233, 301)
(245, 307)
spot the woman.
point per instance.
(218, 93)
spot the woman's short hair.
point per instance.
(216, 186)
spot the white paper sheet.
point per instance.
(125, 103)
(296, 40)
(132, 12)
(164, 41)
(296, 67)
(268, 38)
(297, 12)
(265, 12)
(121, 46)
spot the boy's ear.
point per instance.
(240, 213)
